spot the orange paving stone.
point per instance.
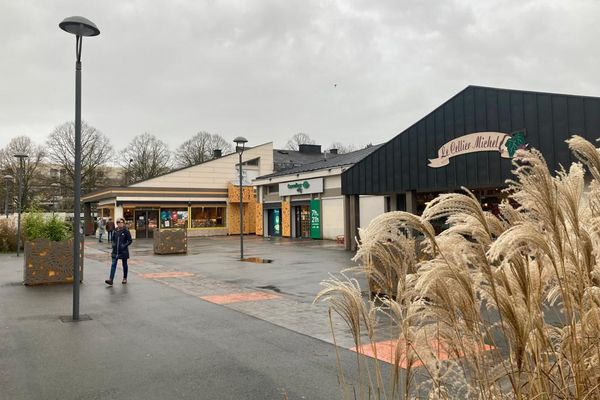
(386, 351)
(173, 274)
(239, 297)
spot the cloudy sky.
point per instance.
(353, 71)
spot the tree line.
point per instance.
(49, 174)
(48, 170)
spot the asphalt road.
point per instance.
(147, 340)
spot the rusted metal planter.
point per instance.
(170, 241)
(50, 262)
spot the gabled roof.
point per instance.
(287, 159)
(403, 163)
(332, 161)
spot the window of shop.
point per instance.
(209, 217)
(271, 189)
(128, 217)
(173, 217)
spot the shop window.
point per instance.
(173, 218)
(208, 217)
(128, 217)
(271, 189)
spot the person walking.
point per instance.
(101, 229)
(121, 240)
(110, 227)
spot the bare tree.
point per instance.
(146, 157)
(96, 151)
(298, 139)
(200, 148)
(10, 165)
(342, 148)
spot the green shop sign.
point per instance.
(299, 186)
(315, 219)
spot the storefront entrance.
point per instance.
(145, 223)
(302, 221)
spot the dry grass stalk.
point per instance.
(527, 284)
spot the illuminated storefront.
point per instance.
(203, 198)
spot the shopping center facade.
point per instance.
(468, 141)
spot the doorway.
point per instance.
(302, 221)
(145, 223)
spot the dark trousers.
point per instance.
(113, 268)
(110, 235)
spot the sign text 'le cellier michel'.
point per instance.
(504, 143)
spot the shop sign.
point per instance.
(305, 186)
(504, 143)
(315, 219)
(276, 222)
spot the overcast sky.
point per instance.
(350, 71)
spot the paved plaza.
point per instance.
(203, 325)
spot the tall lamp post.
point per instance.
(79, 27)
(240, 144)
(7, 179)
(55, 188)
(21, 158)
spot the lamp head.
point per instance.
(20, 156)
(79, 26)
(240, 144)
(8, 177)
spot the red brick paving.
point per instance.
(172, 274)
(386, 351)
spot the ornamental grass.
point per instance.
(513, 301)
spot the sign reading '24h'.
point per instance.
(504, 143)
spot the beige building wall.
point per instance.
(332, 220)
(214, 174)
(370, 207)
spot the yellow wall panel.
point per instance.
(286, 219)
(259, 219)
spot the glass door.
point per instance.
(140, 224)
(151, 222)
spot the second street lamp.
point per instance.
(79, 27)
(55, 188)
(240, 144)
(20, 174)
(7, 179)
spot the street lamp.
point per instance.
(7, 179)
(21, 157)
(240, 144)
(56, 187)
(79, 27)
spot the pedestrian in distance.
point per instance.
(101, 229)
(121, 240)
(110, 227)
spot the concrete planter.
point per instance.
(50, 262)
(170, 241)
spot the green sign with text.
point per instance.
(315, 219)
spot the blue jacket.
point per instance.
(120, 243)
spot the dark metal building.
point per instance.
(431, 157)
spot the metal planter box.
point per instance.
(170, 241)
(50, 262)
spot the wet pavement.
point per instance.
(202, 326)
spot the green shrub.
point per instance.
(57, 229)
(54, 228)
(34, 225)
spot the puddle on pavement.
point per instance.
(270, 287)
(257, 260)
